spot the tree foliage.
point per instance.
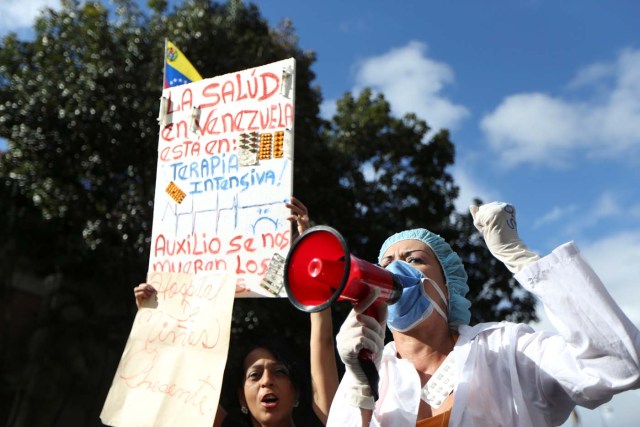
(391, 179)
(78, 107)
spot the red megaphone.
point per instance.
(320, 270)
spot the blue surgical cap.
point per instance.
(454, 273)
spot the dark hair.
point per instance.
(280, 350)
(286, 354)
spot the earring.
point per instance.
(244, 410)
(296, 403)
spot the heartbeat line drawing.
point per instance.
(172, 212)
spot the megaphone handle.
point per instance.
(365, 357)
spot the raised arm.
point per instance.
(596, 352)
(324, 371)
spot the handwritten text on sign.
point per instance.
(225, 161)
(174, 359)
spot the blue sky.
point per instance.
(542, 99)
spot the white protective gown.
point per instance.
(510, 375)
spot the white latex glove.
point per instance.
(497, 223)
(358, 332)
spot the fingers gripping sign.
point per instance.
(299, 215)
(143, 292)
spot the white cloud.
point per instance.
(412, 82)
(328, 109)
(20, 14)
(616, 260)
(557, 213)
(606, 207)
(470, 188)
(532, 127)
(548, 130)
(592, 75)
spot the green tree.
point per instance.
(78, 106)
(390, 179)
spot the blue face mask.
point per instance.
(414, 305)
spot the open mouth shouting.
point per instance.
(269, 400)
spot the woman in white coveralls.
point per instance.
(439, 371)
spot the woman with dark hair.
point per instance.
(272, 386)
(273, 382)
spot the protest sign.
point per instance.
(220, 230)
(171, 368)
(225, 164)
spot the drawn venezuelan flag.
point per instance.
(177, 68)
